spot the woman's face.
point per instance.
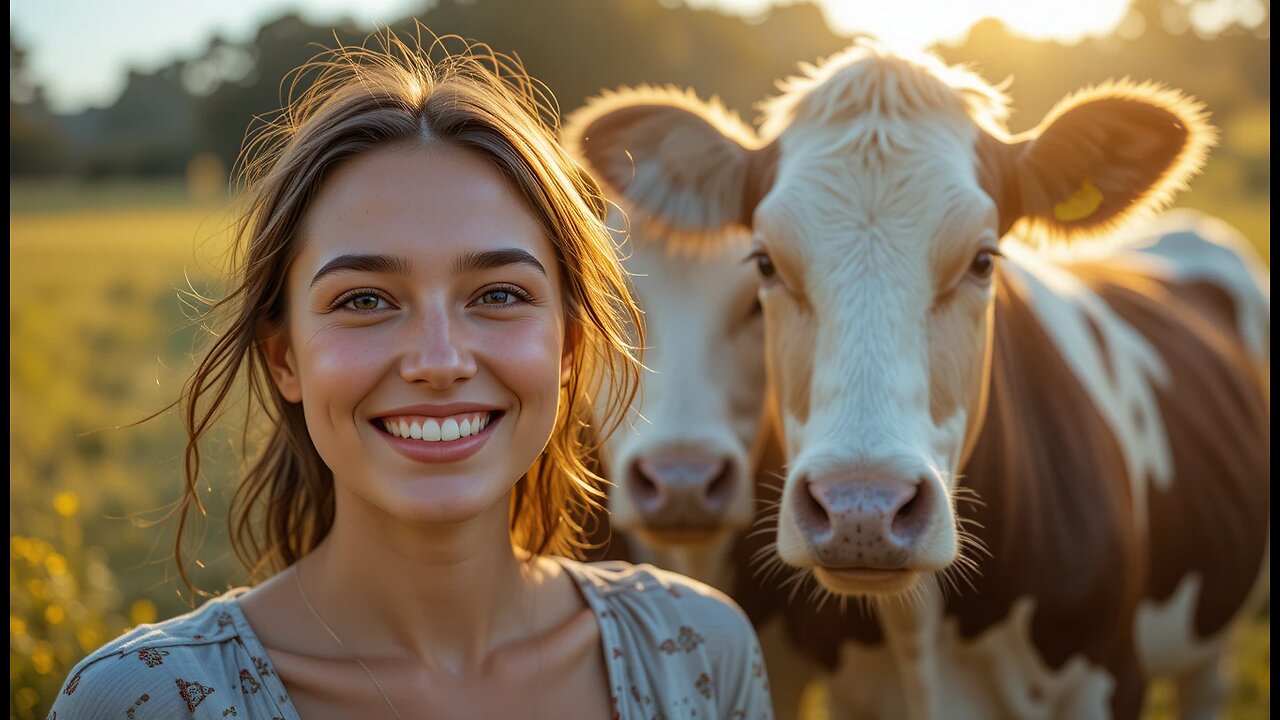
(425, 336)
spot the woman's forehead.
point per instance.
(426, 204)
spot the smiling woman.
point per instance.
(427, 303)
(463, 291)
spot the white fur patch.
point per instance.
(1165, 632)
(1190, 246)
(1166, 637)
(995, 675)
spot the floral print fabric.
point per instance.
(674, 648)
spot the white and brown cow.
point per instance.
(1106, 405)
(695, 465)
(682, 465)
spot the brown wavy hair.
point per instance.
(357, 99)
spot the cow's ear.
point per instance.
(690, 170)
(1106, 153)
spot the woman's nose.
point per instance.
(436, 350)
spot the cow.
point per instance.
(682, 467)
(696, 464)
(1028, 441)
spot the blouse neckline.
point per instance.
(614, 658)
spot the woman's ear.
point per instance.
(278, 353)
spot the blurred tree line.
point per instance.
(201, 105)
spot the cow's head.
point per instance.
(878, 211)
(682, 466)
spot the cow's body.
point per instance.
(1109, 411)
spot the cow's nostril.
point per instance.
(812, 513)
(643, 488)
(721, 486)
(910, 517)
(904, 512)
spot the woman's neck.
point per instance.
(446, 595)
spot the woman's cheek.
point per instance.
(353, 356)
(532, 336)
(527, 354)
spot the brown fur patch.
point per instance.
(1058, 518)
(1214, 517)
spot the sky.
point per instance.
(81, 50)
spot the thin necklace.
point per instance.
(297, 577)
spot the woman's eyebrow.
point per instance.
(392, 264)
(472, 262)
(396, 265)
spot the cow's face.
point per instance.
(681, 466)
(877, 211)
(877, 266)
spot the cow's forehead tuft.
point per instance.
(868, 80)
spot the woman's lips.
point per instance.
(430, 446)
(436, 429)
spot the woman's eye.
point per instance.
(496, 297)
(984, 263)
(500, 296)
(364, 302)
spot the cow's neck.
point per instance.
(707, 563)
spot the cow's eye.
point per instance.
(984, 263)
(764, 264)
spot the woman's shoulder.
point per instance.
(682, 610)
(169, 668)
(680, 644)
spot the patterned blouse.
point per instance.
(674, 648)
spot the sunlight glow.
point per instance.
(81, 50)
(914, 24)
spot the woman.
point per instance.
(427, 300)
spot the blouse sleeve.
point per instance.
(730, 670)
(111, 686)
(674, 646)
(743, 686)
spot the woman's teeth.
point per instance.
(436, 429)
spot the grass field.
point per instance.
(100, 337)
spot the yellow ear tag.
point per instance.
(1084, 202)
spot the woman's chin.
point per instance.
(442, 501)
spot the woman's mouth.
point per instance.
(436, 429)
